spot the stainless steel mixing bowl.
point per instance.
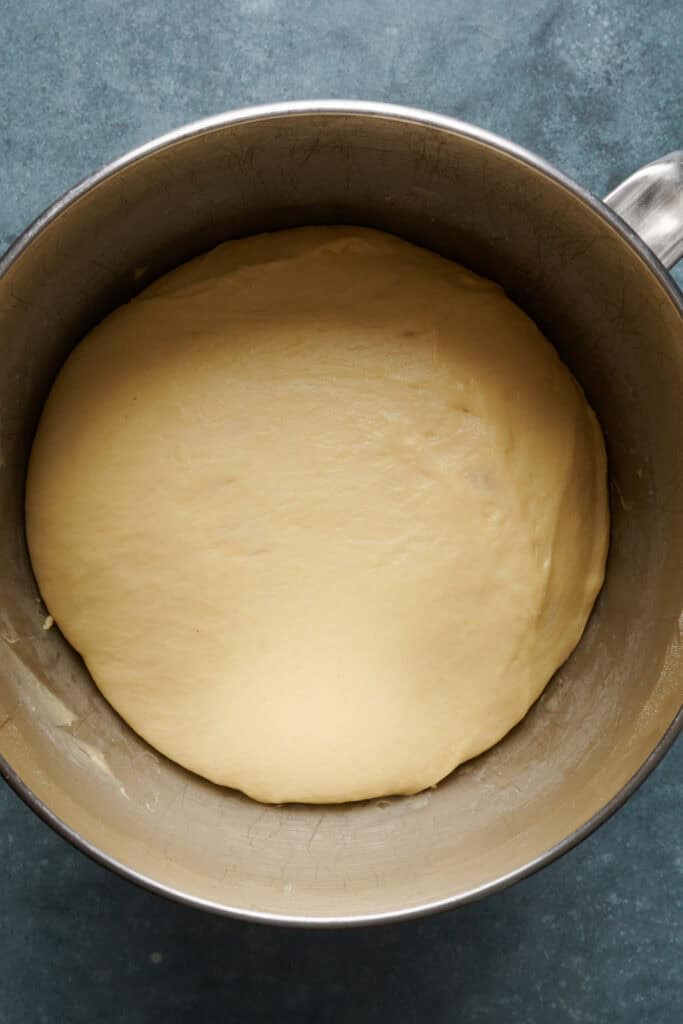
(615, 316)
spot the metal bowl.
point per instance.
(615, 316)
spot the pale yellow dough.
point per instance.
(322, 511)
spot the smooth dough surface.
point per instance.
(322, 511)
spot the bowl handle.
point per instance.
(651, 202)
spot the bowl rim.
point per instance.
(412, 115)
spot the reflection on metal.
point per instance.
(651, 202)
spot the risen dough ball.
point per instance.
(322, 511)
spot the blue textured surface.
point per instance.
(595, 87)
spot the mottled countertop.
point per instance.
(594, 87)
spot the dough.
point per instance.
(322, 511)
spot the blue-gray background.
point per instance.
(596, 88)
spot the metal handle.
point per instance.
(651, 202)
